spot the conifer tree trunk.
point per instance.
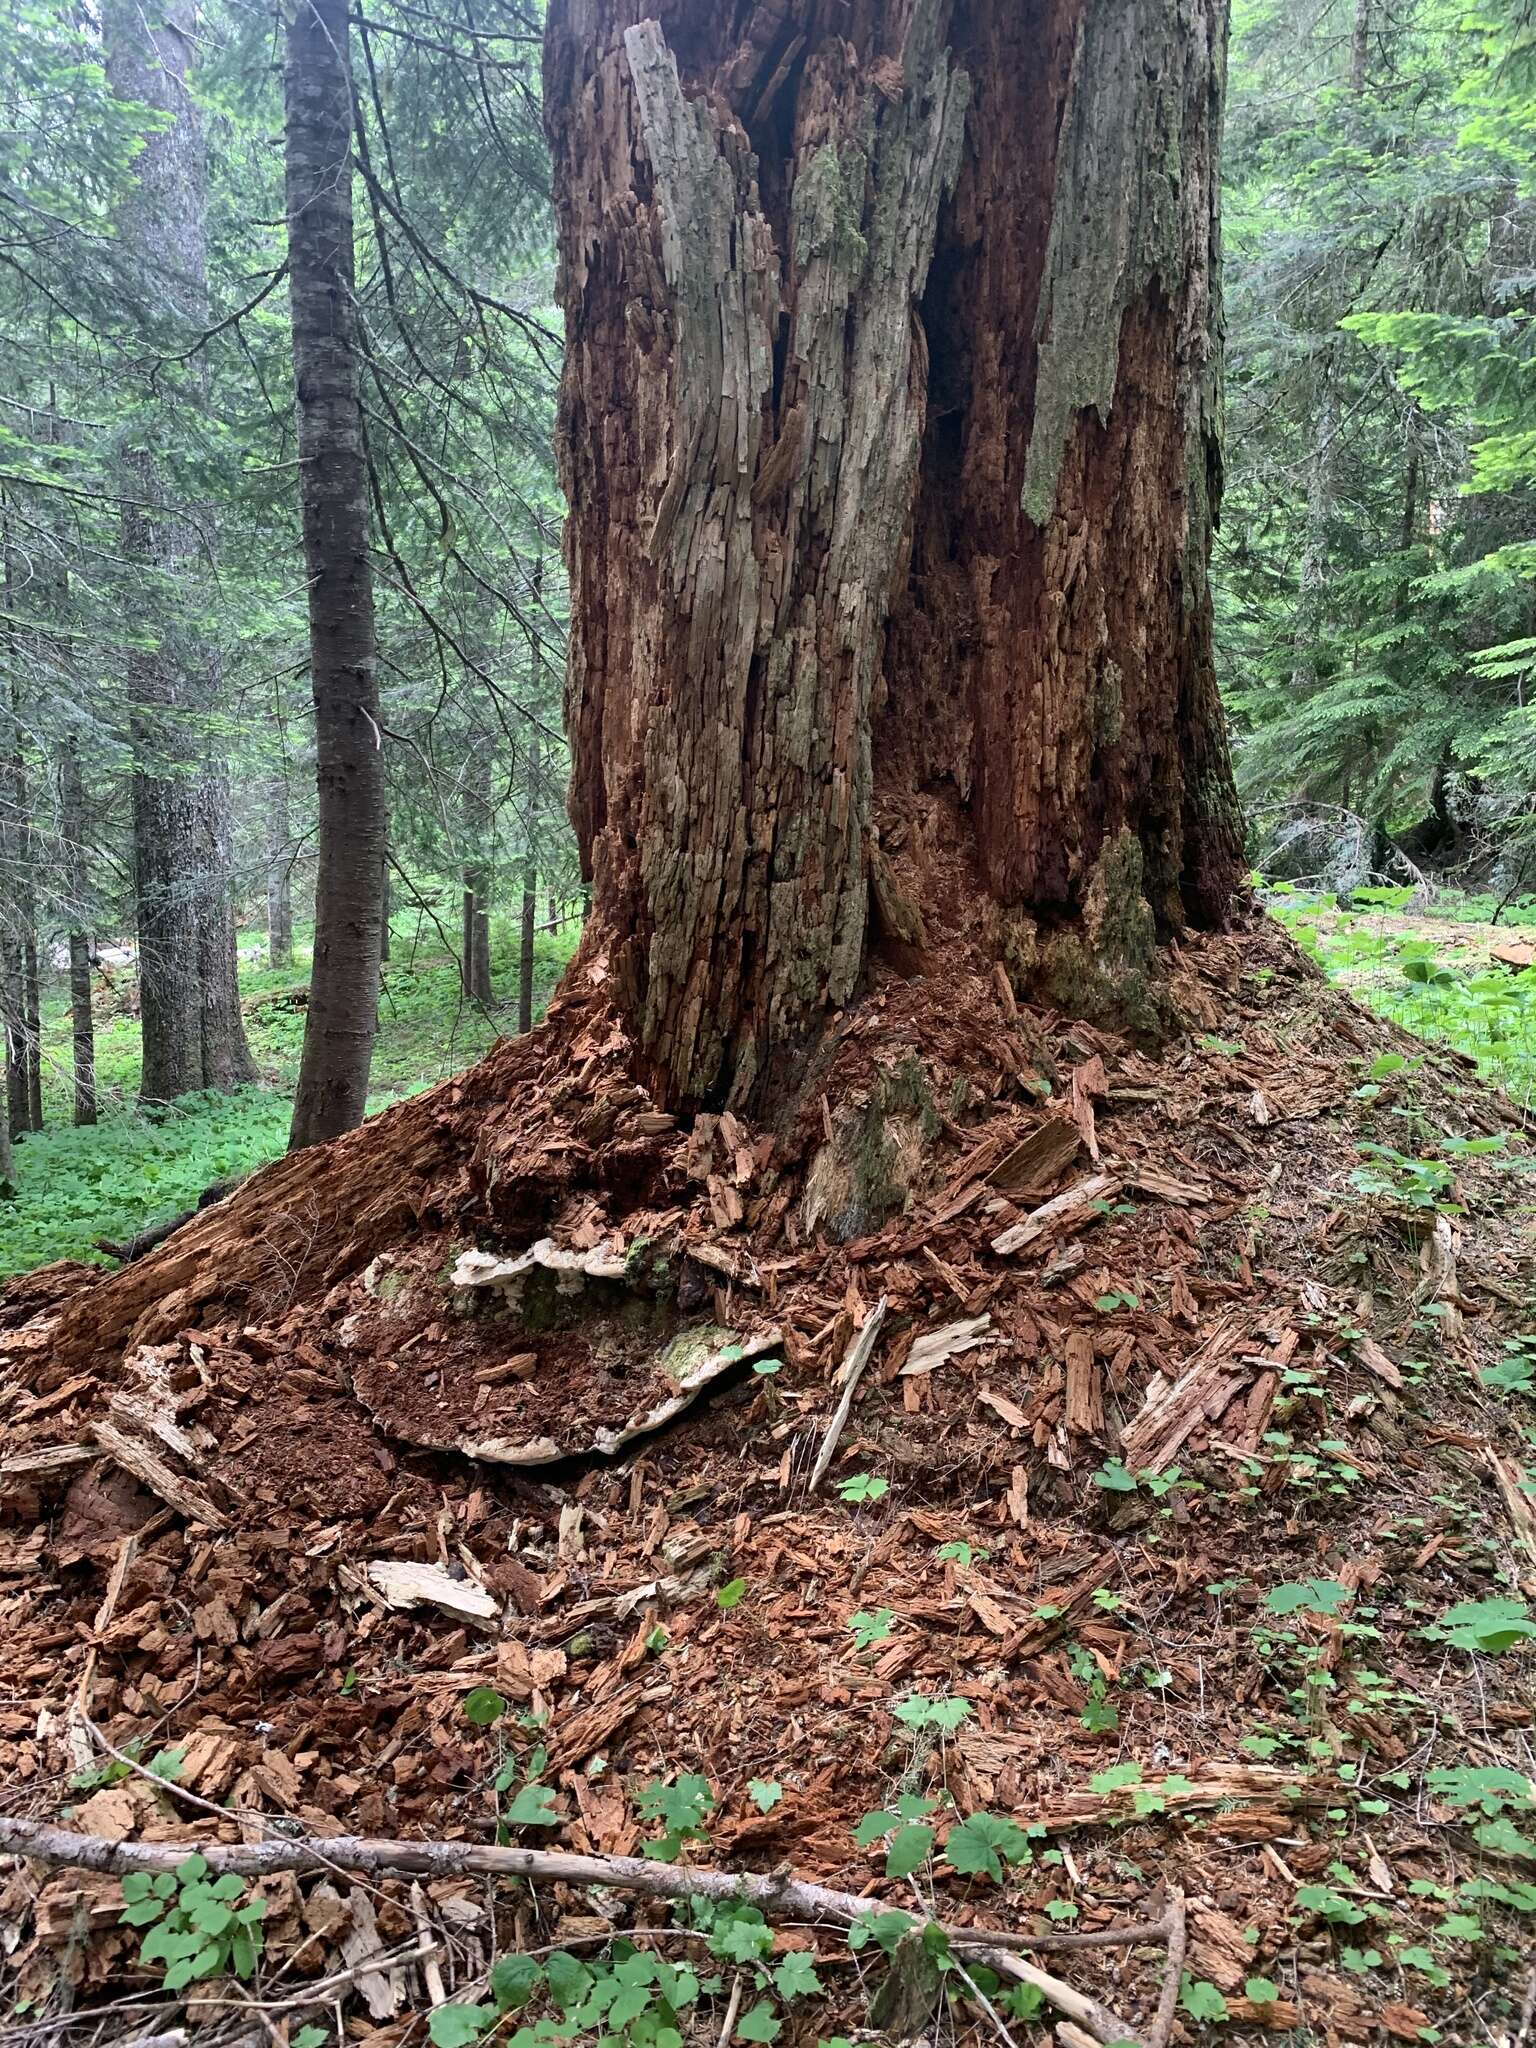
(530, 905)
(890, 430)
(1360, 50)
(7, 1150)
(20, 1004)
(226, 1057)
(479, 818)
(77, 883)
(189, 1008)
(279, 866)
(342, 1017)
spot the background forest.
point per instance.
(1375, 563)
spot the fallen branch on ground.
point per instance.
(777, 1896)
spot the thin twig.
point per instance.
(1168, 2004)
(733, 2007)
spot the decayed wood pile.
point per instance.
(245, 1515)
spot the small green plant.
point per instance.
(869, 1629)
(1201, 1999)
(730, 1595)
(862, 1488)
(1393, 1176)
(1515, 1372)
(1487, 1627)
(982, 1843)
(918, 1711)
(680, 1809)
(1114, 1477)
(1309, 1596)
(197, 1928)
(1330, 1905)
(962, 1554)
(484, 1707)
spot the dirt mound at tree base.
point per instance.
(1143, 1529)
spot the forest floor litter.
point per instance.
(1139, 1483)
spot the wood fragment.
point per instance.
(1169, 1187)
(1521, 1513)
(152, 1471)
(47, 1458)
(850, 1373)
(1038, 1159)
(1374, 1359)
(1199, 1395)
(402, 1583)
(933, 1347)
(1062, 1215)
(1085, 1387)
(1168, 2004)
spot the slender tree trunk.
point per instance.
(15, 885)
(386, 912)
(349, 888)
(20, 1002)
(1360, 51)
(34, 1002)
(189, 1011)
(278, 857)
(478, 813)
(226, 1057)
(13, 1016)
(530, 904)
(1312, 577)
(77, 881)
(7, 1150)
(890, 427)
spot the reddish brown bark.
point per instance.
(889, 429)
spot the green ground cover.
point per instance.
(128, 1170)
(1430, 966)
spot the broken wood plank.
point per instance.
(1169, 1187)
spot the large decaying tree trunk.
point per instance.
(349, 886)
(890, 429)
(192, 1030)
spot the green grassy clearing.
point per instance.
(1429, 968)
(130, 1169)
